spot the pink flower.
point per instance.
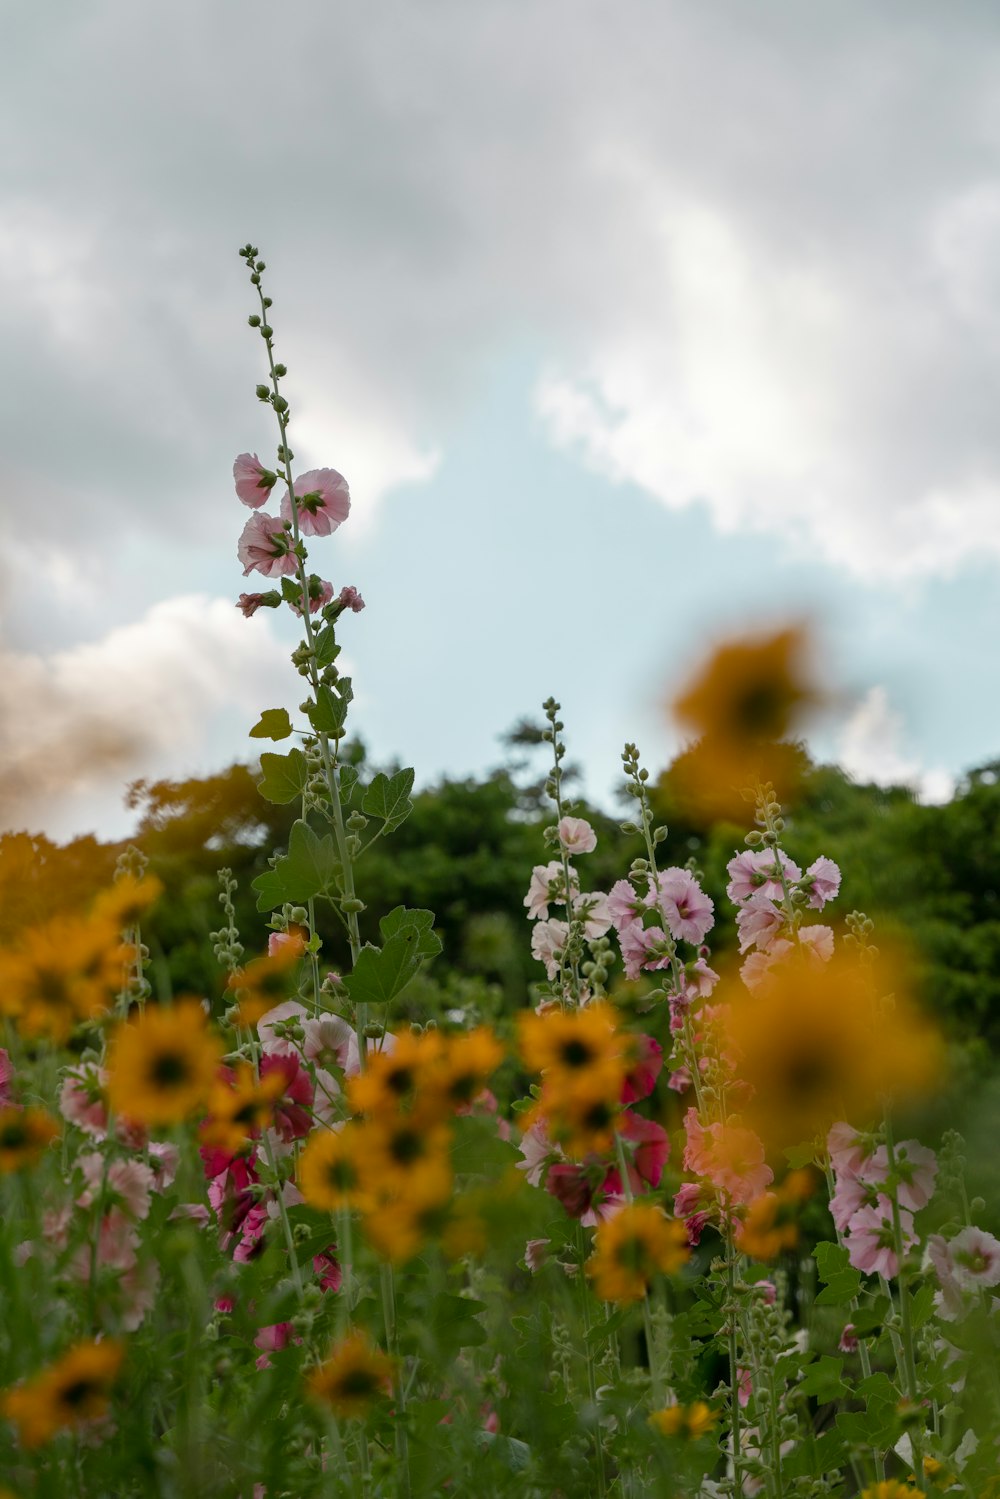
(818, 940)
(870, 1242)
(254, 482)
(848, 1149)
(848, 1339)
(548, 938)
(759, 922)
(266, 546)
(652, 1145)
(272, 1339)
(636, 941)
(851, 1195)
(272, 1026)
(768, 1290)
(190, 1212)
(679, 1080)
(576, 835)
(249, 603)
(916, 1167)
(536, 1253)
(697, 980)
(164, 1159)
(570, 1183)
(323, 501)
(327, 1268)
(822, 881)
(350, 598)
(641, 1076)
(6, 1077)
(744, 1386)
(686, 908)
(592, 910)
(758, 869)
(975, 1257)
(537, 1149)
(292, 1117)
(729, 1156)
(624, 905)
(320, 593)
(547, 885)
(81, 1100)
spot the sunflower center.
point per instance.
(406, 1147)
(805, 1074)
(759, 711)
(78, 1393)
(13, 1136)
(576, 1053)
(399, 1080)
(341, 1175)
(358, 1384)
(170, 1069)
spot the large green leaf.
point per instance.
(401, 920)
(309, 868)
(284, 776)
(328, 712)
(274, 723)
(388, 798)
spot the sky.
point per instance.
(632, 325)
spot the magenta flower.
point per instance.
(266, 546)
(254, 482)
(6, 1077)
(652, 1145)
(576, 835)
(249, 603)
(322, 499)
(641, 1076)
(848, 1339)
(822, 881)
(687, 910)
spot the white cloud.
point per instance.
(154, 698)
(871, 750)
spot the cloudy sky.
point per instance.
(629, 323)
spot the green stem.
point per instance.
(602, 1487)
(388, 1287)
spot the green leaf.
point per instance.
(328, 713)
(291, 591)
(798, 1156)
(401, 920)
(274, 723)
(454, 1324)
(309, 868)
(348, 778)
(823, 1380)
(388, 797)
(382, 972)
(327, 649)
(843, 1282)
(477, 1149)
(512, 1452)
(284, 776)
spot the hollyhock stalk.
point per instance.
(657, 1379)
(908, 1366)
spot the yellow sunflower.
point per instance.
(397, 1079)
(262, 983)
(327, 1172)
(162, 1063)
(240, 1106)
(690, 1421)
(631, 1248)
(69, 1393)
(64, 972)
(354, 1376)
(24, 1136)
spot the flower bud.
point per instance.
(263, 394)
(280, 370)
(352, 905)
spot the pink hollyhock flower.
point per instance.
(679, 1080)
(320, 593)
(352, 1066)
(117, 1242)
(327, 1269)
(548, 938)
(277, 940)
(272, 1026)
(759, 922)
(818, 940)
(686, 909)
(254, 482)
(251, 1235)
(916, 1167)
(822, 881)
(139, 1285)
(652, 1145)
(547, 885)
(851, 1195)
(636, 941)
(729, 1156)
(576, 835)
(975, 1257)
(949, 1302)
(870, 1242)
(849, 1150)
(640, 1079)
(592, 910)
(536, 1254)
(265, 545)
(292, 1116)
(350, 598)
(570, 1184)
(744, 1386)
(190, 1212)
(697, 980)
(848, 1339)
(129, 1181)
(322, 499)
(755, 969)
(81, 1100)
(6, 1077)
(624, 905)
(768, 1290)
(249, 603)
(328, 1041)
(687, 1199)
(758, 869)
(272, 1339)
(164, 1159)
(537, 1149)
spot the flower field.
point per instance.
(680, 1222)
